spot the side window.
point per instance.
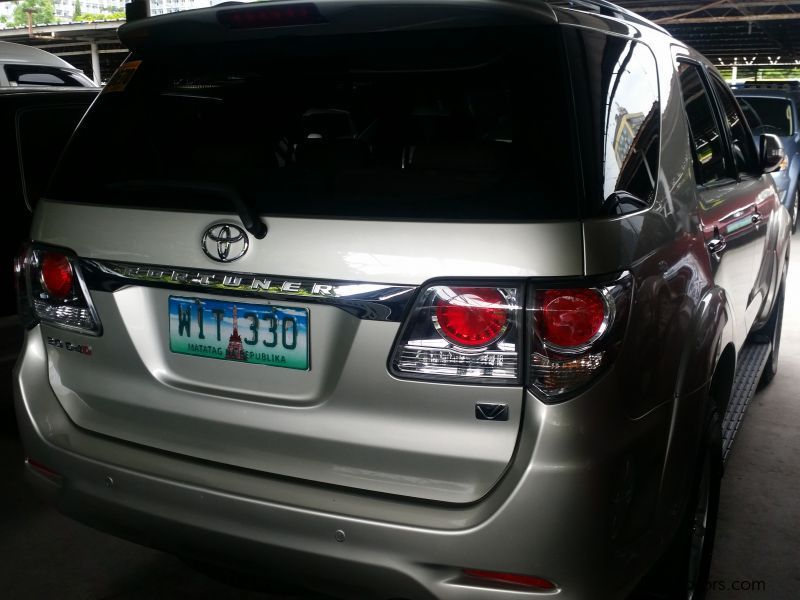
(743, 150)
(705, 138)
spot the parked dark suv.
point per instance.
(412, 300)
(774, 107)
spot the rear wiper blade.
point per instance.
(248, 216)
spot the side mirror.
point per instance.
(770, 152)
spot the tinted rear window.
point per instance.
(463, 124)
(768, 115)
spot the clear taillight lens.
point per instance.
(462, 333)
(573, 334)
(50, 289)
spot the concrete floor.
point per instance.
(758, 536)
(45, 555)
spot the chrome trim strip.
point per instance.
(369, 301)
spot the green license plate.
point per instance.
(276, 336)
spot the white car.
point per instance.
(28, 66)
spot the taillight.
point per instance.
(476, 334)
(42, 468)
(24, 305)
(50, 289)
(465, 333)
(573, 334)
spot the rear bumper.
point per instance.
(584, 522)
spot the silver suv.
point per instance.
(409, 300)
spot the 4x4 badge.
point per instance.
(225, 242)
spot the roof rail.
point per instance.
(788, 84)
(608, 9)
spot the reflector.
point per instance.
(524, 580)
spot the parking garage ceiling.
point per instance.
(761, 31)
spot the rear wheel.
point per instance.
(682, 573)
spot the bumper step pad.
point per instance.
(752, 359)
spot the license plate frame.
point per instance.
(268, 335)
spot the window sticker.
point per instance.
(122, 77)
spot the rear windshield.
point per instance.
(768, 115)
(462, 124)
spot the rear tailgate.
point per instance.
(378, 162)
(346, 420)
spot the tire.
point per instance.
(682, 573)
(795, 209)
(772, 329)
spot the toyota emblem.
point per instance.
(225, 242)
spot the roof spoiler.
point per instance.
(234, 21)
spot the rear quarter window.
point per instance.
(617, 104)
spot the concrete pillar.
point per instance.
(95, 63)
(734, 73)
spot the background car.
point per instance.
(22, 66)
(35, 124)
(772, 107)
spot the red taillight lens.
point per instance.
(472, 317)
(57, 275)
(523, 580)
(571, 318)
